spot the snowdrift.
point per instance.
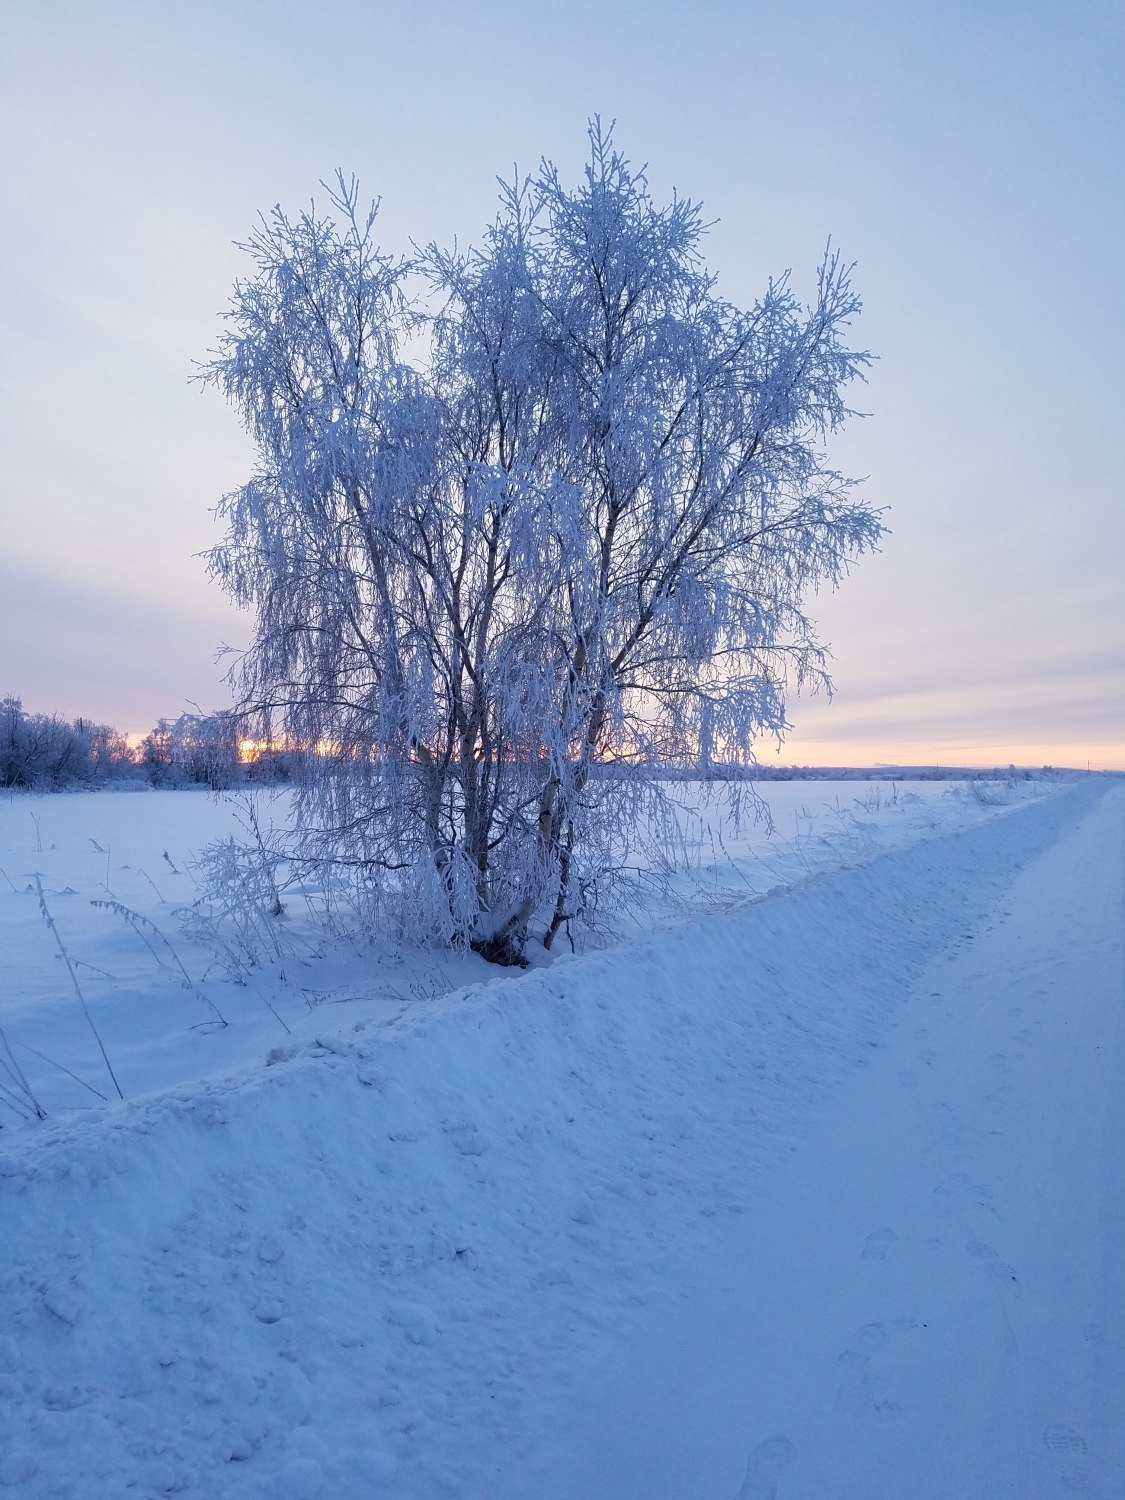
(374, 1265)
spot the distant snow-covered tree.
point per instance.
(205, 748)
(155, 757)
(194, 750)
(523, 513)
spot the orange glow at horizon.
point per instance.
(971, 753)
(800, 750)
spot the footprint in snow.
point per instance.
(765, 1466)
(990, 1262)
(857, 1392)
(1076, 1480)
(1064, 1440)
(878, 1243)
(870, 1338)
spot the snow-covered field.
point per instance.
(154, 985)
(818, 1196)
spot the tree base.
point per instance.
(501, 948)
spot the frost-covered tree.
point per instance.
(204, 747)
(193, 750)
(529, 522)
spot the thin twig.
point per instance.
(82, 964)
(136, 921)
(50, 921)
(152, 882)
(18, 1105)
(14, 1071)
(62, 1069)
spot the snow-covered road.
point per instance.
(930, 1302)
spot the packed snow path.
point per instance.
(931, 1301)
(820, 1201)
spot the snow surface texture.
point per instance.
(819, 1200)
(139, 850)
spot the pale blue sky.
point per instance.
(969, 157)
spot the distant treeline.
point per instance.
(718, 771)
(880, 773)
(43, 752)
